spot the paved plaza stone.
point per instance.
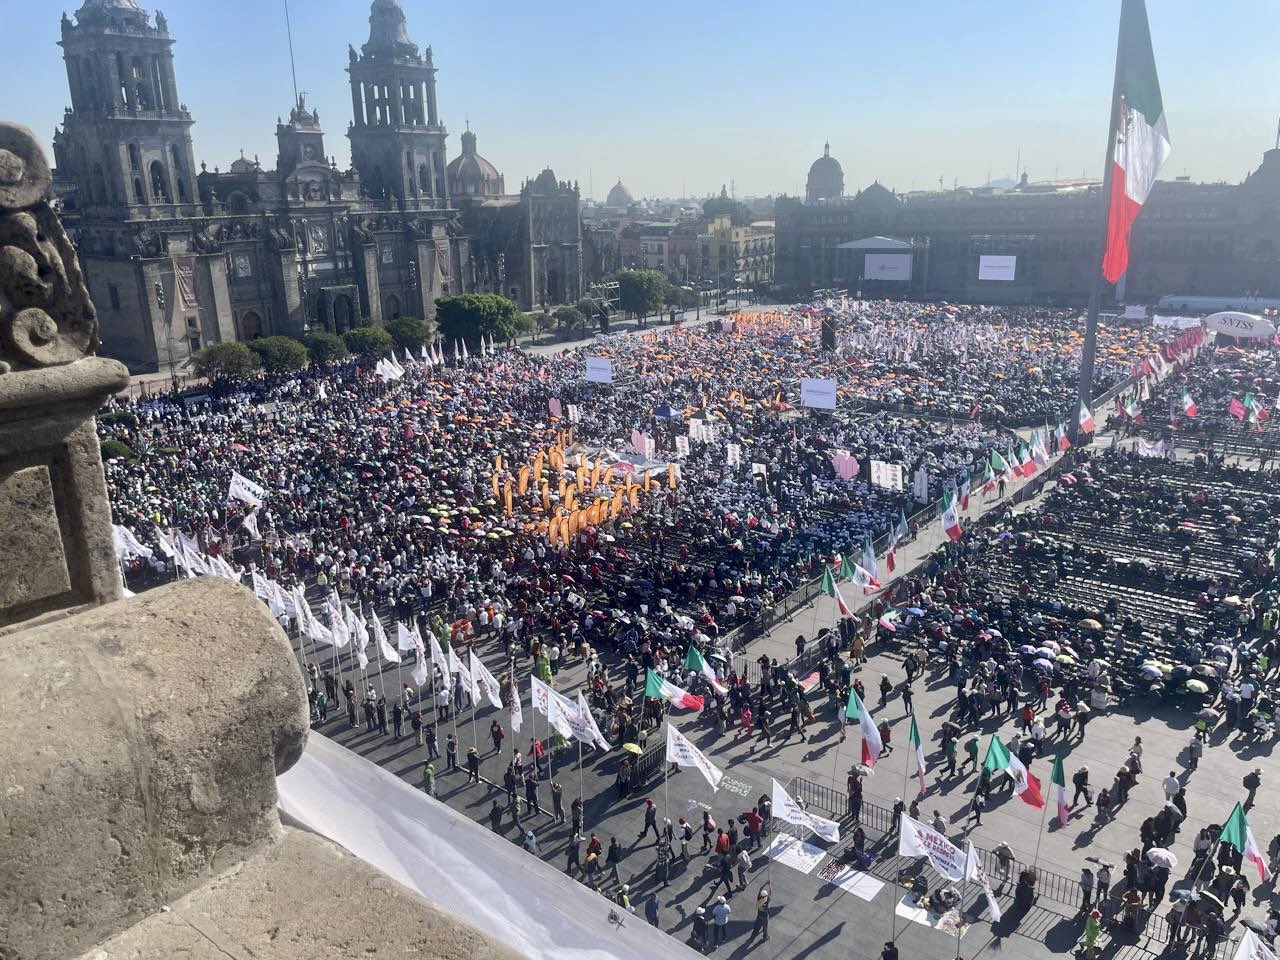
(810, 916)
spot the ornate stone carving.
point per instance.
(46, 317)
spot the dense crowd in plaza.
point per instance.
(446, 495)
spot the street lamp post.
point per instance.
(168, 334)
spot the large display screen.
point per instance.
(887, 266)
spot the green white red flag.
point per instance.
(855, 709)
(697, 663)
(1188, 405)
(659, 688)
(831, 590)
(914, 738)
(1237, 833)
(1059, 781)
(1141, 136)
(1086, 419)
(1025, 785)
(951, 523)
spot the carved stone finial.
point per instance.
(46, 317)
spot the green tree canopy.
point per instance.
(368, 341)
(280, 354)
(642, 292)
(225, 361)
(569, 317)
(409, 333)
(472, 315)
(324, 346)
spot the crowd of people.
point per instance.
(445, 494)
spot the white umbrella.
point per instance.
(1162, 858)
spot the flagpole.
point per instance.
(964, 890)
(1095, 291)
(666, 772)
(582, 803)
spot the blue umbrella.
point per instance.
(668, 412)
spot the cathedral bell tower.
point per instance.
(397, 141)
(126, 138)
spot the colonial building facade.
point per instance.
(1213, 239)
(178, 259)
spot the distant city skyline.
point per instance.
(723, 93)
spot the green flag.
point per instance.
(853, 708)
(997, 756)
(846, 569)
(828, 581)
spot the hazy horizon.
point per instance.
(714, 93)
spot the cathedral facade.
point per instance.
(178, 258)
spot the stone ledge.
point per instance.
(301, 899)
(141, 745)
(82, 385)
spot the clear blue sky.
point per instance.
(674, 96)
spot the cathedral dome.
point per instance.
(826, 178)
(471, 175)
(388, 31)
(105, 10)
(619, 196)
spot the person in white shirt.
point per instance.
(1171, 785)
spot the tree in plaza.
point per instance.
(409, 333)
(368, 341)
(473, 315)
(324, 346)
(642, 292)
(544, 321)
(280, 354)
(569, 317)
(225, 361)
(683, 298)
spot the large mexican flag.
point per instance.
(1142, 137)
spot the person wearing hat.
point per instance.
(624, 896)
(1251, 783)
(650, 821)
(1092, 930)
(531, 843)
(698, 937)
(473, 765)
(762, 911)
(720, 919)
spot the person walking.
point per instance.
(708, 830)
(557, 801)
(473, 765)
(1080, 780)
(971, 752)
(572, 852)
(685, 832)
(496, 734)
(451, 752)
(613, 860)
(651, 906)
(531, 792)
(1252, 782)
(662, 864)
(429, 778)
(743, 863)
(495, 817)
(1171, 786)
(650, 821)
(429, 735)
(1195, 749)
(531, 843)
(397, 720)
